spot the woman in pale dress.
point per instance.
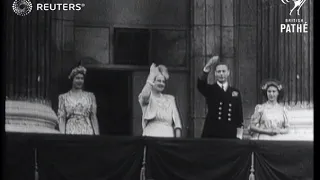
(270, 119)
(160, 116)
(77, 108)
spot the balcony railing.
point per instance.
(102, 157)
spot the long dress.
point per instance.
(160, 116)
(267, 116)
(76, 112)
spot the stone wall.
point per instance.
(225, 28)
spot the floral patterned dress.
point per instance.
(76, 113)
(268, 116)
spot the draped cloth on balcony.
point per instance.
(64, 157)
(288, 160)
(198, 159)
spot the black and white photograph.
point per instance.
(159, 89)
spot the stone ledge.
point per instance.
(301, 117)
(30, 129)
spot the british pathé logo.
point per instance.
(293, 25)
(297, 4)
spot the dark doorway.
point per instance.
(112, 90)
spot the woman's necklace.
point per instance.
(161, 101)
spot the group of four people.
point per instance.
(160, 116)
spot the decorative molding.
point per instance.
(26, 116)
(27, 121)
(30, 129)
(28, 99)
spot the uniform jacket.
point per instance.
(224, 109)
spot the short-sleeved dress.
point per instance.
(76, 112)
(268, 116)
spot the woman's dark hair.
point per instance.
(275, 84)
(71, 76)
(79, 69)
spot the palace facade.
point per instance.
(117, 40)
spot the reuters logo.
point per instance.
(22, 7)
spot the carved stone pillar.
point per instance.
(25, 116)
(28, 72)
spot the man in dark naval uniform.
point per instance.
(223, 102)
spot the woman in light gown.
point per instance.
(270, 119)
(160, 116)
(77, 108)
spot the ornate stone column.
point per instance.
(28, 72)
